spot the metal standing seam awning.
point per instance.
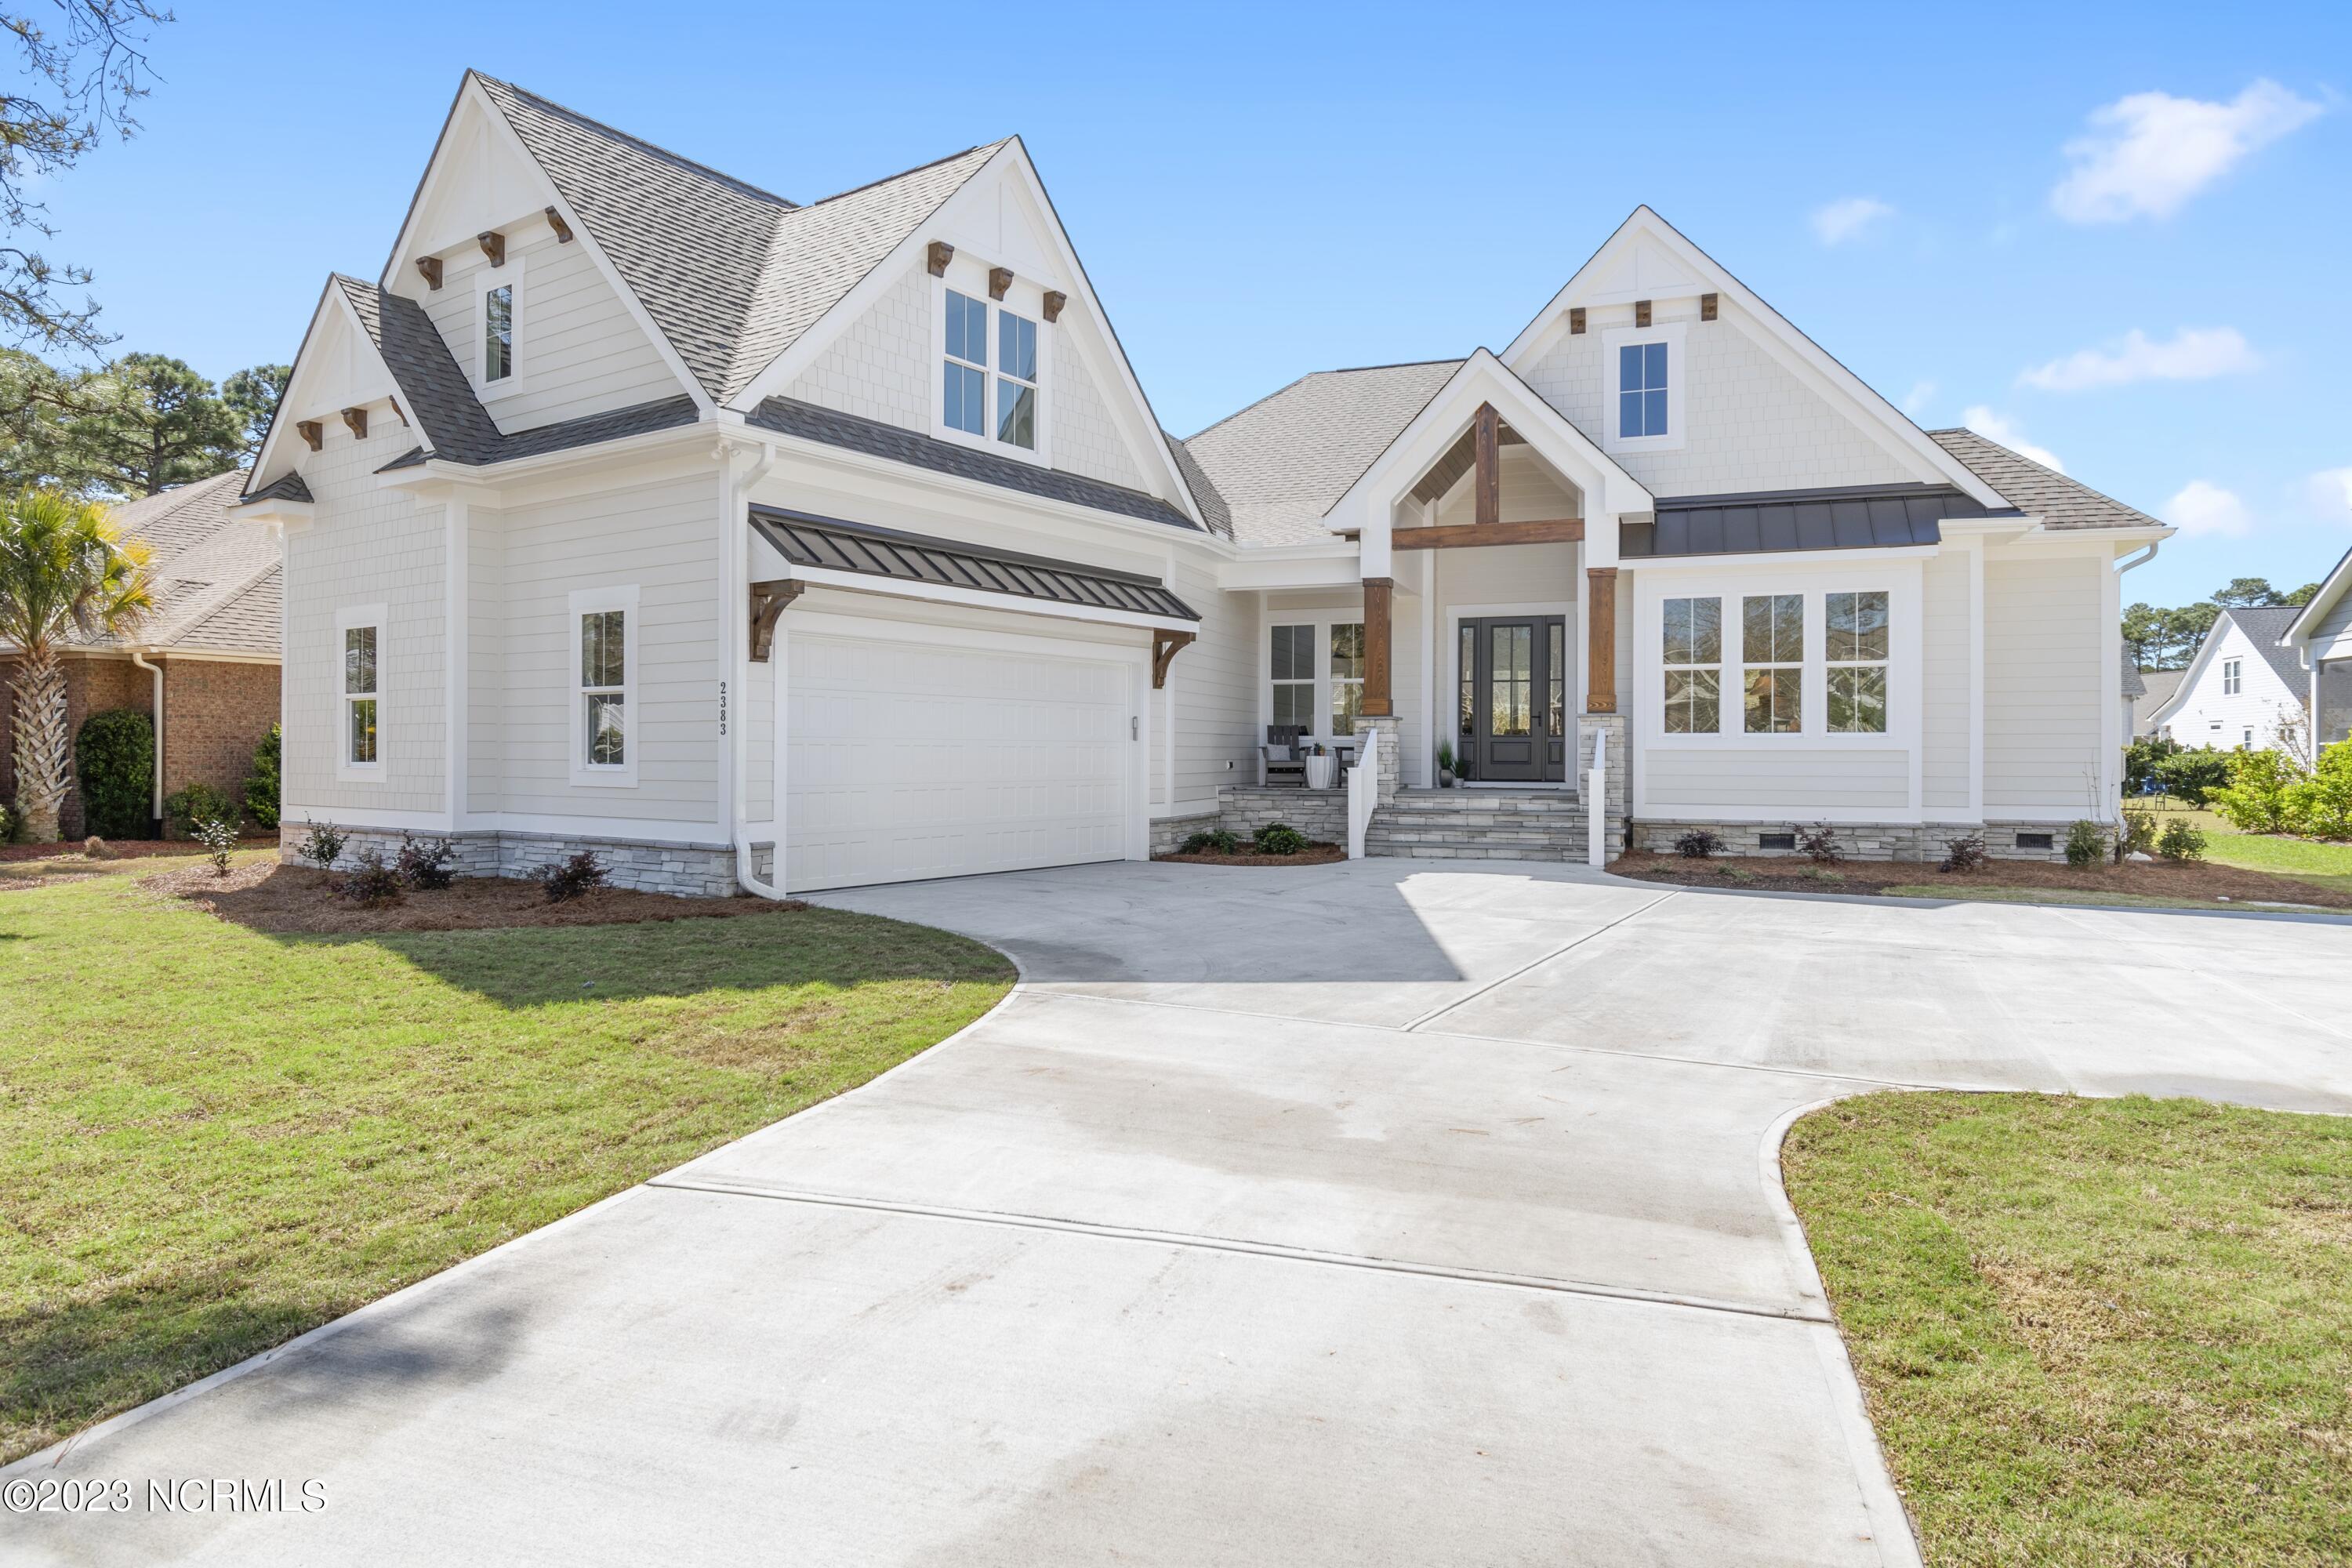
(828, 544)
(1861, 518)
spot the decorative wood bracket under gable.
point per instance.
(768, 602)
(1165, 647)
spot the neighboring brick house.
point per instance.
(211, 647)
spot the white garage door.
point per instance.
(906, 760)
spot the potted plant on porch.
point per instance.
(1445, 764)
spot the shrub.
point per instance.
(196, 804)
(12, 826)
(1699, 844)
(1278, 838)
(94, 849)
(2321, 805)
(2182, 840)
(261, 785)
(114, 758)
(2255, 800)
(571, 879)
(2085, 844)
(1966, 853)
(1214, 841)
(425, 862)
(219, 839)
(2137, 835)
(370, 882)
(1820, 844)
(2193, 775)
(2144, 761)
(323, 846)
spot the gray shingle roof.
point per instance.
(807, 540)
(290, 485)
(2161, 684)
(2061, 502)
(1280, 464)
(2263, 626)
(731, 274)
(2135, 684)
(793, 417)
(245, 622)
(1205, 495)
(204, 559)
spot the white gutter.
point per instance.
(139, 658)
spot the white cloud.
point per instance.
(1916, 401)
(2203, 510)
(1845, 219)
(2193, 355)
(2331, 492)
(1995, 427)
(2151, 151)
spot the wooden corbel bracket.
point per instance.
(768, 602)
(1165, 647)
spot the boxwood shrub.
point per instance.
(114, 757)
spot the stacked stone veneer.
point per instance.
(689, 871)
(1861, 841)
(1618, 774)
(1321, 814)
(1480, 824)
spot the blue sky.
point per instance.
(2118, 234)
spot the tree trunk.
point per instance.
(44, 749)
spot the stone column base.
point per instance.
(1390, 760)
(1617, 780)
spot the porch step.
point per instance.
(1479, 825)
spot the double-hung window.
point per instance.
(1641, 391)
(604, 635)
(1294, 676)
(1346, 677)
(498, 327)
(964, 404)
(1693, 666)
(1772, 650)
(1016, 380)
(1856, 623)
(2232, 673)
(360, 692)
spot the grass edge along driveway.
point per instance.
(212, 1140)
(2094, 1332)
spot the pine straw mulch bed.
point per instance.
(2192, 882)
(267, 896)
(1313, 855)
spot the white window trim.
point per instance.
(589, 601)
(1027, 297)
(1901, 580)
(347, 770)
(1678, 433)
(487, 277)
(2234, 678)
(1831, 666)
(1322, 620)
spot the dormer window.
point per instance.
(992, 374)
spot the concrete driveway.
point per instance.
(1363, 1214)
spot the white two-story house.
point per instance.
(2245, 690)
(777, 546)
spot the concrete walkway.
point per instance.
(1361, 1214)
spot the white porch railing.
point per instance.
(1596, 803)
(1363, 793)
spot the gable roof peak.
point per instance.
(651, 149)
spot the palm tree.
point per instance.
(63, 565)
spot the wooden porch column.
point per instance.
(1487, 486)
(1600, 639)
(1377, 704)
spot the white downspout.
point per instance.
(139, 658)
(733, 626)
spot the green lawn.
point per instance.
(2096, 1331)
(2328, 865)
(1973, 893)
(211, 1139)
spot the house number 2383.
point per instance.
(722, 707)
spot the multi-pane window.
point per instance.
(359, 695)
(1856, 625)
(603, 687)
(1346, 677)
(1016, 380)
(1641, 390)
(1693, 666)
(498, 332)
(1294, 676)
(1772, 650)
(2232, 671)
(1556, 711)
(1510, 680)
(1469, 671)
(965, 395)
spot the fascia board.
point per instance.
(268, 453)
(2334, 586)
(1012, 604)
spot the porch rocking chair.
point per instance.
(1282, 754)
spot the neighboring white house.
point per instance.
(2243, 682)
(2320, 637)
(798, 546)
(2157, 687)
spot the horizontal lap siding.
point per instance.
(1798, 780)
(1215, 686)
(663, 539)
(484, 660)
(578, 350)
(2044, 656)
(1944, 683)
(366, 545)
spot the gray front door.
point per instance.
(1514, 699)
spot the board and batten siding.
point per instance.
(1944, 684)
(365, 545)
(2045, 659)
(1753, 422)
(578, 350)
(663, 539)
